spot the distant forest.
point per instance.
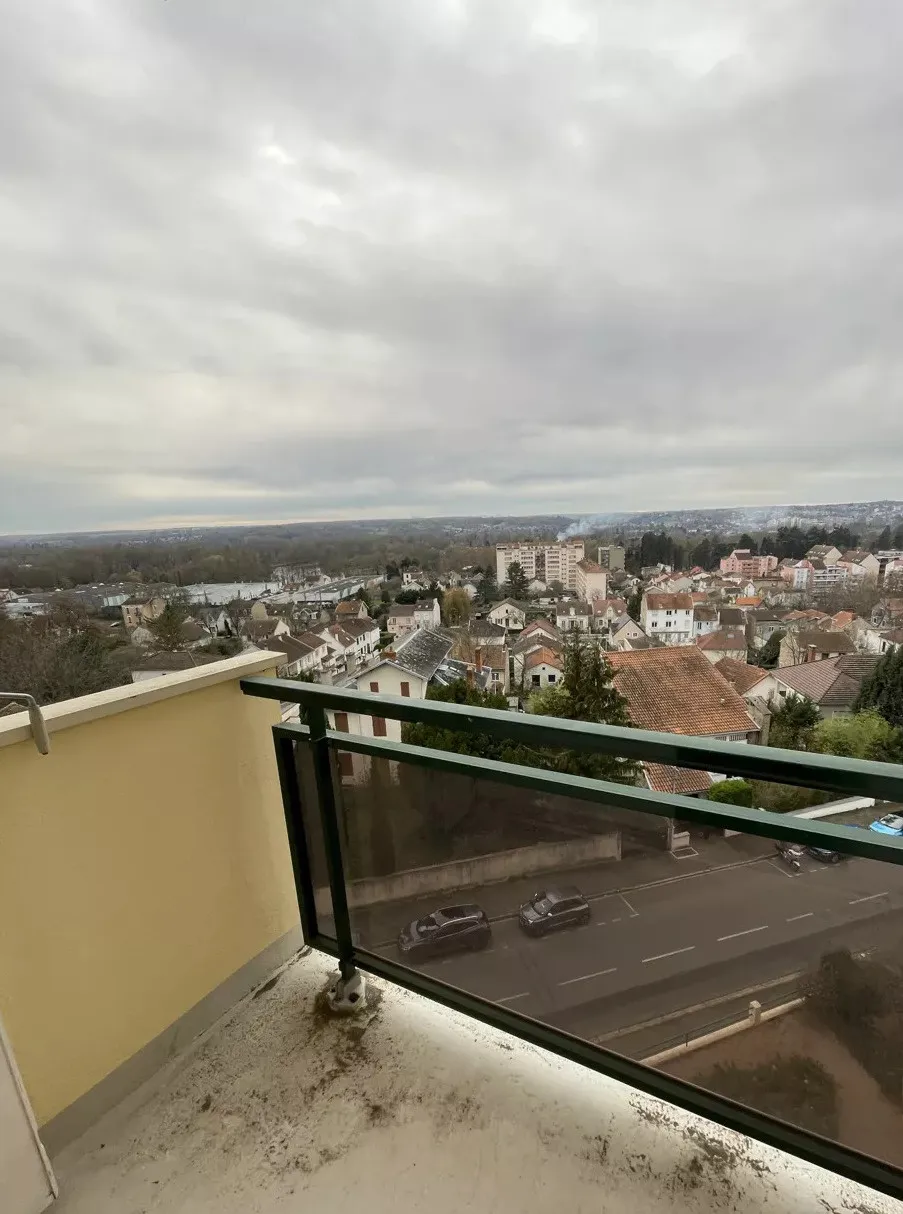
(252, 553)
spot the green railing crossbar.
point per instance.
(857, 777)
(765, 824)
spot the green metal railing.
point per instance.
(840, 775)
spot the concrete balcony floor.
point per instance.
(282, 1108)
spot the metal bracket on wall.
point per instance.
(35, 716)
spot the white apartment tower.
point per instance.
(550, 562)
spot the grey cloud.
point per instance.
(384, 257)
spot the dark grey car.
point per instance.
(452, 929)
(550, 909)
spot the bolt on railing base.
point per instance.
(347, 995)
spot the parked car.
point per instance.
(550, 909)
(452, 929)
(890, 824)
(825, 854)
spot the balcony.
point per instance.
(169, 1022)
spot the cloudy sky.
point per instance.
(376, 258)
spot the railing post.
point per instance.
(319, 746)
(286, 764)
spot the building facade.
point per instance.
(549, 562)
(747, 563)
(668, 617)
(591, 580)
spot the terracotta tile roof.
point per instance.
(676, 602)
(541, 657)
(526, 644)
(662, 778)
(741, 676)
(725, 638)
(702, 611)
(824, 641)
(676, 689)
(749, 600)
(831, 683)
(540, 626)
(843, 619)
(495, 657)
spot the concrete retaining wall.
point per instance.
(463, 874)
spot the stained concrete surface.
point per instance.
(281, 1108)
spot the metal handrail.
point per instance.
(819, 771)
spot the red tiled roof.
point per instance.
(676, 689)
(684, 780)
(725, 638)
(748, 600)
(740, 675)
(677, 602)
(539, 657)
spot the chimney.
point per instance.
(810, 653)
(390, 655)
(478, 657)
(469, 675)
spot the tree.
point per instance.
(455, 608)
(483, 746)
(792, 723)
(487, 589)
(635, 605)
(392, 570)
(747, 541)
(366, 598)
(518, 583)
(557, 588)
(731, 792)
(408, 596)
(863, 735)
(167, 627)
(768, 655)
(883, 689)
(586, 693)
(54, 666)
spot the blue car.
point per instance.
(890, 824)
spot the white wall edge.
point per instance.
(79, 711)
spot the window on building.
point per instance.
(379, 727)
(535, 680)
(406, 689)
(341, 722)
(346, 763)
(374, 687)
(551, 678)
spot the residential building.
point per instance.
(705, 619)
(542, 668)
(606, 611)
(351, 609)
(725, 643)
(405, 617)
(317, 651)
(673, 689)
(508, 614)
(592, 581)
(550, 562)
(405, 670)
(861, 566)
(494, 660)
(611, 556)
(799, 575)
(523, 648)
(832, 684)
(669, 617)
(887, 613)
(543, 627)
(573, 616)
(751, 682)
(813, 645)
(824, 552)
(259, 630)
(747, 563)
(141, 611)
(763, 623)
(486, 633)
(353, 641)
(626, 633)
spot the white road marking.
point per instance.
(793, 918)
(675, 952)
(633, 912)
(617, 919)
(868, 898)
(749, 931)
(584, 977)
(511, 998)
(600, 923)
(779, 868)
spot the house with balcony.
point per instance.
(668, 617)
(199, 1010)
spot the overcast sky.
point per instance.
(281, 260)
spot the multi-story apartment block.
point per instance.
(547, 561)
(748, 564)
(611, 556)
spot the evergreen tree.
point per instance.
(883, 689)
(793, 723)
(518, 583)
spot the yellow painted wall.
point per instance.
(142, 863)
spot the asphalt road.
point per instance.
(652, 950)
